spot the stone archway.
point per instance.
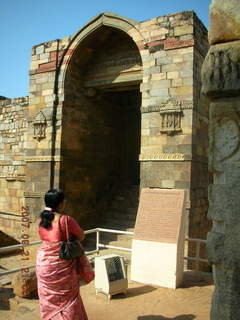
(100, 122)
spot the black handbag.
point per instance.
(69, 249)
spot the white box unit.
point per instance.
(110, 275)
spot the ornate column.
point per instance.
(221, 83)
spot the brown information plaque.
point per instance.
(159, 215)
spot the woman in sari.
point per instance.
(58, 279)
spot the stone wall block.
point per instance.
(221, 70)
(224, 21)
(183, 30)
(39, 49)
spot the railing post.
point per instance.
(97, 240)
(197, 254)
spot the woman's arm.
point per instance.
(74, 228)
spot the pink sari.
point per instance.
(58, 285)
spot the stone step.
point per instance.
(121, 215)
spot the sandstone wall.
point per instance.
(76, 127)
(200, 178)
(180, 157)
(13, 127)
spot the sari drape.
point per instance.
(58, 285)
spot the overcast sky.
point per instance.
(25, 23)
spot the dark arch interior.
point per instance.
(101, 123)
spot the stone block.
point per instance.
(224, 21)
(39, 49)
(169, 67)
(172, 75)
(177, 82)
(159, 32)
(163, 60)
(24, 284)
(154, 70)
(168, 184)
(34, 65)
(160, 84)
(159, 54)
(182, 30)
(163, 93)
(185, 90)
(177, 59)
(182, 184)
(188, 81)
(159, 76)
(185, 74)
(179, 44)
(144, 87)
(220, 70)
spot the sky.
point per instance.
(25, 23)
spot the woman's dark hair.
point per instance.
(53, 198)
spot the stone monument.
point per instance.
(158, 244)
(221, 83)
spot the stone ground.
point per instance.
(143, 302)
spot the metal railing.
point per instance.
(197, 258)
(98, 246)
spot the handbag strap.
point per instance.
(66, 228)
(60, 229)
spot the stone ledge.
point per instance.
(171, 104)
(28, 194)
(43, 159)
(165, 157)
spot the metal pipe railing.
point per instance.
(18, 246)
(98, 246)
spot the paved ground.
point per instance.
(142, 302)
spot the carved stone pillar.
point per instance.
(221, 83)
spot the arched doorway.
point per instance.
(101, 122)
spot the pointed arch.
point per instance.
(108, 19)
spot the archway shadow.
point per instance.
(180, 317)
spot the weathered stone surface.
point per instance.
(224, 21)
(221, 79)
(224, 138)
(24, 284)
(13, 126)
(225, 304)
(221, 70)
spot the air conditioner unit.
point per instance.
(110, 275)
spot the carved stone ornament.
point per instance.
(171, 114)
(171, 122)
(221, 70)
(227, 135)
(170, 104)
(39, 125)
